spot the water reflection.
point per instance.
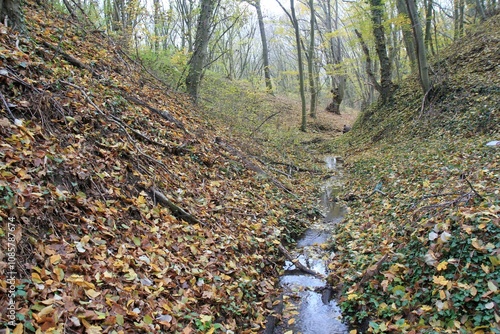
(303, 293)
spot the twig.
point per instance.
(264, 121)
(6, 105)
(297, 263)
(474, 190)
(372, 270)
(177, 211)
(120, 124)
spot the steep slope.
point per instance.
(122, 211)
(419, 251)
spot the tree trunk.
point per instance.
(408, 37)
(301, 66)
(423, 66)
(310, 64)
(199, 56)
(428, 26)
(265, 50)
(369, 70)
(12, 11)
(377, 11)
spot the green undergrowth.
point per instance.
(419, 250)
(261, 123)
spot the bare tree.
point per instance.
(295, 23)
(310, 62)
(265, 50)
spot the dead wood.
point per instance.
(177, 211)
(122, 126)
(164, 114)
(72, 60)
(372, 270)
(297, 263)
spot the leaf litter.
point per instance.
(128, 214)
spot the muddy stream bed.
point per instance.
(307, 304)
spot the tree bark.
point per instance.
(428, 26)
(200, 53)
(408, 37)
(377, 13)
(295, 24)
(12, 11)
(310, 64)
(423, 66)
(265, 50)
(369, 70)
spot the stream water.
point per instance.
(307, 308)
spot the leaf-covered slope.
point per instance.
(96, 142)
(419, 251)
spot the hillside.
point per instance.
(419, 251)
(122, 210)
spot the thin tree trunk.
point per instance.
(265, 50)
(301, 66)
(423, 66)
(369, 70)
(310, 64)
(199, 56)
(428, 27)
(408, 37)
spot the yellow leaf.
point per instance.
(440, 280)
(426, 308)
(19, 329)
(353, 331)
(442, 295)
(442, 266)
(92, 293)
(59, 273)
(477, 244)
(352, 296)
(45, 311)
(55, 259)
(492, 286)
(36, 278)
(205, 318)
(291, 321)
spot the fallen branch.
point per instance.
(264, 121)
(72, 60)
(371, 271)
(297, 263)
(120, 124)
(177, 211)
(474, 190)
(164, 114)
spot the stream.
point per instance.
(306, 298)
